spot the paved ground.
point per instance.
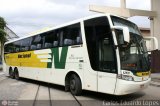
(31, 93)
(155, 79)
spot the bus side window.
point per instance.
(55, 39)
(9, 48)
(37, 42)
(61, 33)
(17, 46)
(51, 40)
(72, 35)
(6, 48)
(79, 38)
(33, 47)
(55, 43)
(22, 48)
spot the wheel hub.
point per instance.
(72, 84)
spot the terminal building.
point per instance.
(10, 33)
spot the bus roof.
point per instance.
(58, 26)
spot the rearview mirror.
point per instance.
(126, 35)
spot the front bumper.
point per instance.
(124, 87)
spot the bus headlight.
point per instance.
(125, 77)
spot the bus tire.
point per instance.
(11, 73)
(75, 85)
(16, 74)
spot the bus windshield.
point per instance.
(134, 55)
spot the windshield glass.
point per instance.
(125, 23)
(133, 55)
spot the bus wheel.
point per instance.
(16, 74)
(11, 73)
(75, 85)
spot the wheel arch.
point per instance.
(68, 76)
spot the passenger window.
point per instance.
(26, 43)
(37, 42)
(51, 39)
(61, 34)
(72, 35)
(17, 46)
(9, 48)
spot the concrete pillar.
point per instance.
(155, 22)
(123, 4)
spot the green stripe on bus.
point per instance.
(59, 59)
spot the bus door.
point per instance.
(107, 64)
(101, 54)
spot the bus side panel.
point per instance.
(74, 63)
(31, 64)
(40, 74)
(90, 76)
(28, 72)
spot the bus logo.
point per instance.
(59, 58)
(53, 57)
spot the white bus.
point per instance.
(102, 53)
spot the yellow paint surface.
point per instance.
(140, 74)
(31, 61)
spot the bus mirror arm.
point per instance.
(125, 32)
(155, 42)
